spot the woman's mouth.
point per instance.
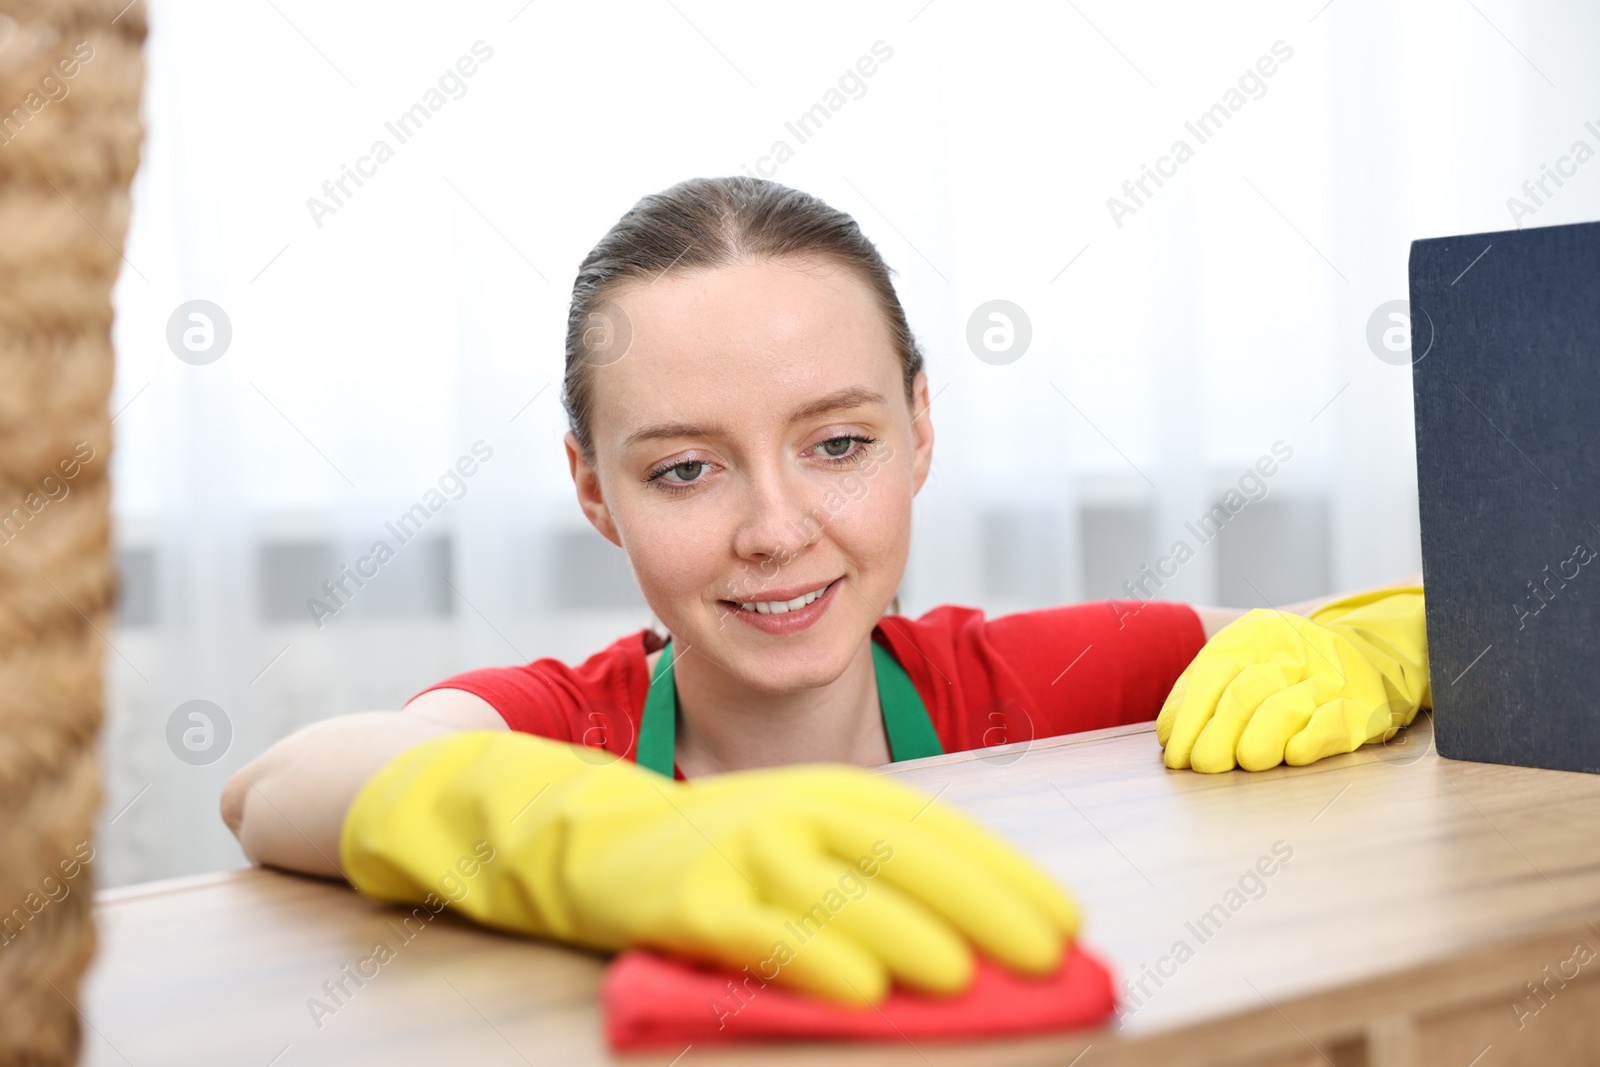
(786, 615)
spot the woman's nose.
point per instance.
(779, 517)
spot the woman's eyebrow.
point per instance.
(839, 400)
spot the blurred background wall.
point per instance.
(349, 350)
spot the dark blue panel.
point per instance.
(1507, 393)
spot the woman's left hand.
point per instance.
(1274, 688)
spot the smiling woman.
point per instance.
(756, 454)
(751, 428)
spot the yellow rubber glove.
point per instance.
(1271, 687)
(824, 878)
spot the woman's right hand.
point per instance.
(824, 878)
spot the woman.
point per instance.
(749, 422)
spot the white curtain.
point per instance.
(381, 331)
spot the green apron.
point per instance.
(905, 720)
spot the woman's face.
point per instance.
(754, 444)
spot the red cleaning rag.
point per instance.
(653, 1001)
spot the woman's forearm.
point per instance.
(1306, 607)
(287, 806)
(1213, 619)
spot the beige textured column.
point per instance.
(71, 75)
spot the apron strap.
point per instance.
(905, 719)
(658, 728)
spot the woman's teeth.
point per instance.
(783, 607)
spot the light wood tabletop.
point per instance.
(1388, 908)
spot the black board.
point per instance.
(1505, 334)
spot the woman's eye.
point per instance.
(688, 472)
(838, 446)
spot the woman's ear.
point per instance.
(587, 481)
(921, 431)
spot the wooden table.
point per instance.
(1421, 895)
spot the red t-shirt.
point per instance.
(1032, 674)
